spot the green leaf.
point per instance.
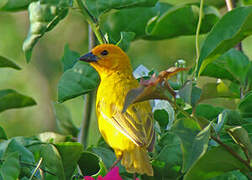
(247, 2)
(15, 146)
(233, 175)
(232, 28)
(70, 153)
(194, 142)
(215, 162)
(44, 15)
(163, 113)
(159, 22)
(11, 168)
(3, 134)
(12, 99)
(245, 105)
(240, 136)
(4, 62)
(64, 121)
(52, 161)
(69, 58)
(107, 155)
(80, 79)
(181, 20)
(91, 165)
(190, 93)
(233, 65)
(208, 111)
(131, 20)
(216, 90)
(168, 163)
(98, 7)
(126, 38)
(14, 5)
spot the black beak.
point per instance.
(89, 57)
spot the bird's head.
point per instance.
(107, 57)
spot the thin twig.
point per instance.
(36, 169)
(232, 152)
(83, 137)
(197, 34)
(32, 165)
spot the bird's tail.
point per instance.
(137, 161)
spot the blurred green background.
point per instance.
(39, 78)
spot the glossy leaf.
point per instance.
(69, 58)
(221, 38)
(215, 162)
(125, 20)
(52, 161)
(14, 5)
(44, 15)
(98, 7)
(80, 79)
(181, 20)
(4, 62)
(216, 90)
(64, 121)
(245, 105)
(233, 65)
(91, 165)
(12, 99)
(70, 153)
(194, 142)
(10, 169)
(159, 22)
(240, 136)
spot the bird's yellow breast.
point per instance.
(111, 94)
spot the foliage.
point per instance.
(195, 138)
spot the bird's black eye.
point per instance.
(104, 53)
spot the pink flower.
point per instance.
(112, 175)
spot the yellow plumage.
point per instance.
(130, 134)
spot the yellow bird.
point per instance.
(131, 133)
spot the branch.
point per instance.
(232, 152)
(83, 137)
(92, 21)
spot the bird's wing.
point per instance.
(136, 123)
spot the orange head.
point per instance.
(107, 58)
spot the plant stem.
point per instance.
(230, 4)
(197, 34)
(92, 21)
(36, 169)
(232, 152)
(88, 98)
(32, 165)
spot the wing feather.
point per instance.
(136, 123)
